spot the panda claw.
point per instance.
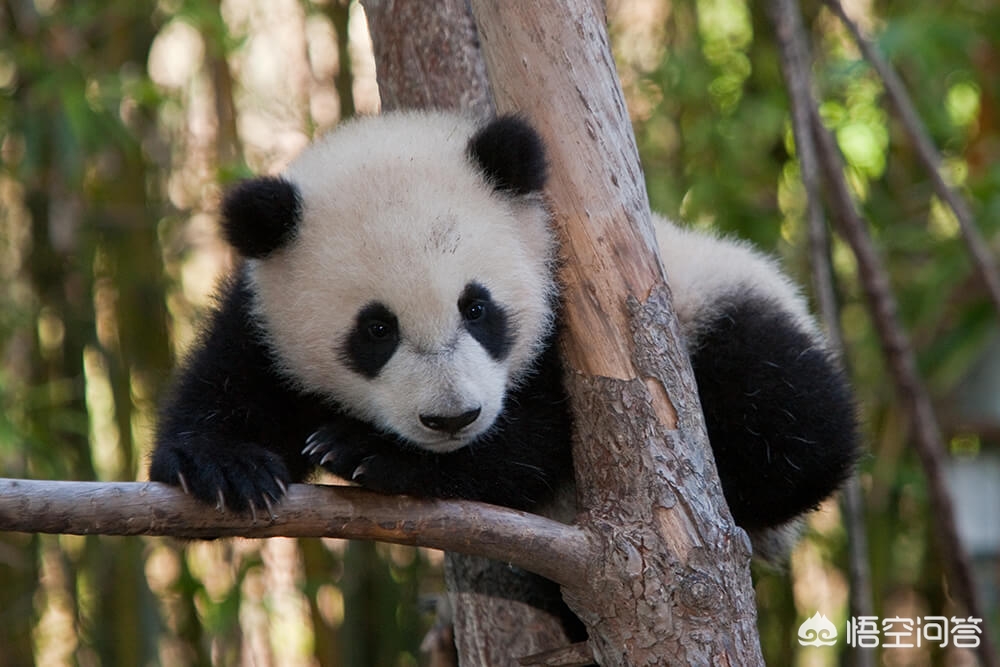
(220, 505)
(183, 483)
(270, 508)
(253, 514)
(312, 444)
(281, 485)
(329, 456)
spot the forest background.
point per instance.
(120, 122)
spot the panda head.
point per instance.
(402, 268)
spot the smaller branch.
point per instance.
(816, 147)
(927, 437)
(927, 153)
(860, 595)
(554, 550)
(795, 58)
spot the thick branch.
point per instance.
(554, 550)
(552, 61)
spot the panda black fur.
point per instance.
(395, 318)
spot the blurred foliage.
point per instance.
(118, 120)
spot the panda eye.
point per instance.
(378, 330)
(474, 311)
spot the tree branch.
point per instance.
(793, 50)
(814, 143)
(554, 550)
(927, 438)
(795, 59)
(927, 153)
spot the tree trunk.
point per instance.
(427, 56)
(673, 580)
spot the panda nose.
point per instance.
(449, 424)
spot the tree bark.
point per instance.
(427, 56)
(552, 549)
(672, 579)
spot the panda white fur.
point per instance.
(395, 319)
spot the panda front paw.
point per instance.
(250, 478)
(338, 452)
(365, 460)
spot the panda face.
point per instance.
(438, 387)
(415, 290)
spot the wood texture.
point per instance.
(495, 624)
(672, 579)
(552, 549)
(427, 56)
(556, 67)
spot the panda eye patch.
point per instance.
(372, 341)
(486, 320)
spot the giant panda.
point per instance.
(395, 319)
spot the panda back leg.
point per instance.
(777, 407)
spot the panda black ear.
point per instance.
(511, 154)
(260, 215)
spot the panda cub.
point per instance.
(395, 320)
